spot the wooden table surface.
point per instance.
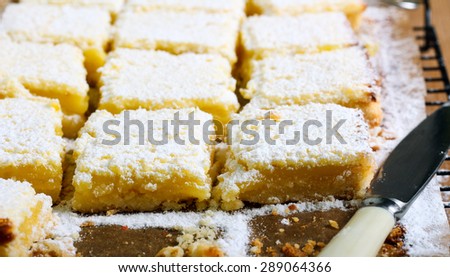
(441, 21)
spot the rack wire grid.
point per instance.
(438, 85)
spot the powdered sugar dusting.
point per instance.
(30, 133)
(57, 69)
(403, 89)
(211, 6)
(113, 6)
(154, 79)
(80, 26)
(179, 32)
(295, 7)
(262, 155)
(341, 76)
(297, 34)
(404, 107)
(22, 207)
(234, 240)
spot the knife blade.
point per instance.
(398, 182)
(405, 4)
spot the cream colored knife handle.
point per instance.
(363, 235)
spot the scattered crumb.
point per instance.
(274, 116)
(397, 234)
(394, 244)
(333, 224)
(271, 252)
(292, 251)
(278, 242)
(87, 224)
(295, 219)
(169, 235)
(285, 221)
(111, 212)
(281, 230)
(257, 246)
(388, 135)
(175, 251)
(203, 205)
(321, 244)
(58, 247)
(309, 247)
(204, 249)
(200, 242)
(297, 246)
(194, 242)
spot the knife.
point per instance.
(405, 4)
(398, 182)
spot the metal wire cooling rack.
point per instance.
(437, 80)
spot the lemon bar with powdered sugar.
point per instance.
(133, 79)
(123, 169)
(343, 77)
(179, 32)
(353, 9)
(84, 27)
(31, 146)
(317, 150)
(263, 35)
